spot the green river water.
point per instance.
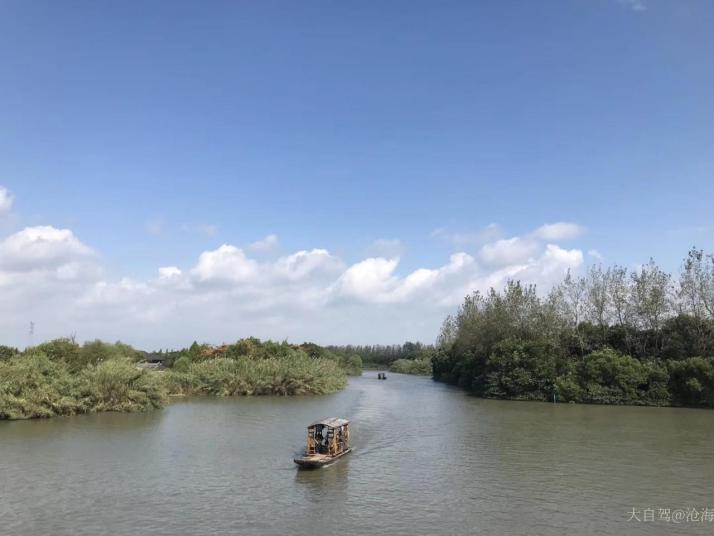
(428, 459)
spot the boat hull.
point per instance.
(318, 460)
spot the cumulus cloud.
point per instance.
(49, 276)
(169, 272)
(43, 271)
(374, 280)
(268, 243)
(508, 251)
(225, 264)
(6, 201)
(303, 264)
(369, 280)
(41, 247)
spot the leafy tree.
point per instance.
(598, 297)
(618, 294)
(611, 337)
(696, 284)
(611, 378)
(692, 381)
(521, 370)
(650, 296)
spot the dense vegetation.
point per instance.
(421, 366)
(61, 377)
(610, 337)
(385, 356)
(251, 367)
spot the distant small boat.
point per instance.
(327, 441)
(381, 376)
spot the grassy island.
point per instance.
(61, 377)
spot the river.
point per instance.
(428, 459)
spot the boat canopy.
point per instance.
(331, 422)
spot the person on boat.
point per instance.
(322, 441)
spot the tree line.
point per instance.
(385, 355)
(609, 336)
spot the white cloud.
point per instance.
(168, 272)
(302, 264)
(6, 201)
(225, 264)
(49, 276)
(41, 247)
(125, 291)
(43, 270)
(595, 254)
(508, 251)
(544, 269)
(553, 262)
(558, 231)
(368, 280)
(268, 243)
(374, 280)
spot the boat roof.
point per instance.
(331, 422)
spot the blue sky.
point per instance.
(158, 131)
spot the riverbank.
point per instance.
(61, 377)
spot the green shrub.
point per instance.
(64, 349)
(77, 357)
(521, 371)
(352, 364)
(295, 374)
(61, 378)
(420, 367)
(182, 364)
(95, 352)
(567, 389)
(118, 385)
(33, 385)
(691, 381)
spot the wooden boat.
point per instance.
(327, 441)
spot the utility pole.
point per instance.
(32, 333)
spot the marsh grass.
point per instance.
(63, 378)
(34, 386)
(294, 374)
